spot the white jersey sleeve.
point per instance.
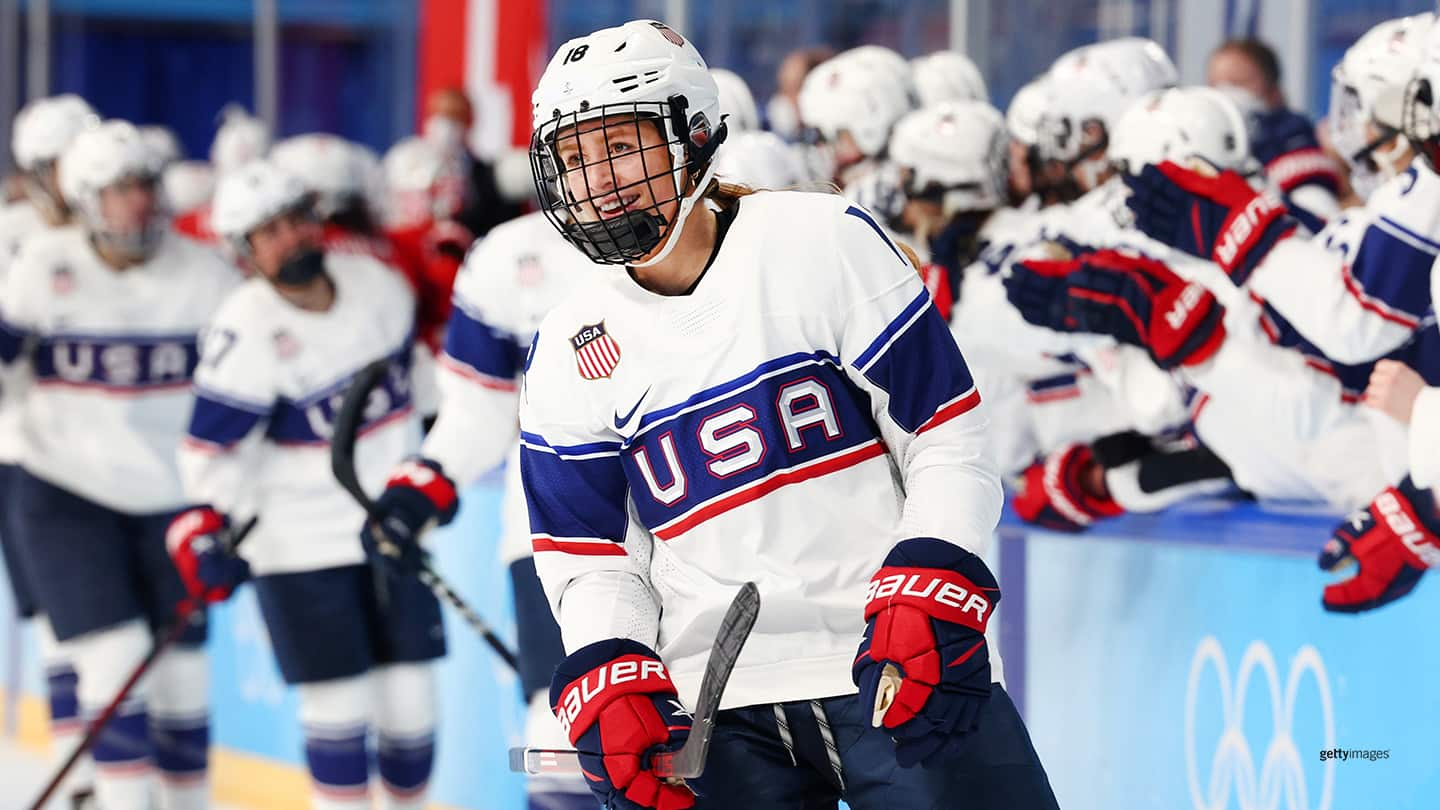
(896, 347)
(235, 392)
(478, 370)
(1360, 288)
(575, 486)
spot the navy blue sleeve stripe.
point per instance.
(857, 211)
(893, 328)
(484, 348)
(574, 498)
(1394, 269)
(219, 423)
(539, 443)
(12, 341)
(1423, 240)
(230, 401)
(922, 370)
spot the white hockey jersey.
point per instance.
(511, 279)
(112, 354)
(18, 222)
(269, 385)
(787, 422)
(1360, 288)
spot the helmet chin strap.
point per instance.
(681, 217)
(684, 164)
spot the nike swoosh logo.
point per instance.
(621, 422)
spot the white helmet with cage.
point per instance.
(162, 141)
(955, 153)
(42, 130)
(106, 155)
(422, 182)
(1183, 125)
(340, 173)
(947, 76)
(737, 103)
(240, 139)
(1094, 85)
(188, 184)
(861, 91)
(760, 160)
(642, 71)
(45, 127)
(251, 195)
(1022, 117)
(1367, 89)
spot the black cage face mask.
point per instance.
(609, 184)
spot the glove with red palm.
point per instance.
(1141, 302)
(200, 543)
(1215, 217)
(617, 703)
(1393, 540)
(926, 614)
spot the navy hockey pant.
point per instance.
(808, 755)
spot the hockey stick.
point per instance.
(688, 761)
(186, 609)
(348, 420)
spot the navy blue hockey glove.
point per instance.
(1219, 218)
(616, 701)
(417, 495)
(1141, 302)
(1394, 541)
(926, 612)
(199, 543)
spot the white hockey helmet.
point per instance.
(188, 184)
(340, 173)
(45, 127)
(100, 157)
(1096, 84)
(1022, 117)
(641, 71)
(861, 91)
(240, 139)
(1368, 87)
(760, 160)
(1183, 125)
(947, 76)
(955, 153)
(163, 143)
(250, 196)
(422, 182)
(737, 103)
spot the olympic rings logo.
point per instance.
(1281, 775)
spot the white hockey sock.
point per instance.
(66, 729)
(180, 727)
(405, 739)
(336, 718)
(123, 755)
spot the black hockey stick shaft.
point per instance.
(688, 761)
(93, 731)
(348, 421)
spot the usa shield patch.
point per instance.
(596, 353)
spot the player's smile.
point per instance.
(616, 205)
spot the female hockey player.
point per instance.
(275, 364)
(106, 316)
(760, 391)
